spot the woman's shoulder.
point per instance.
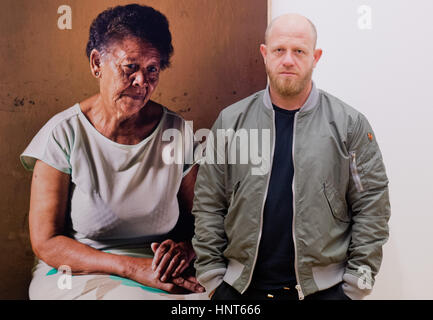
(53, 143)
(62, 118)
(168, 111)
(172, 118)
(62, 126)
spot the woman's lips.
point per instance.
(137, 97)
(134, 96)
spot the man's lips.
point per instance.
(288, 73)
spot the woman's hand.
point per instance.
(188, 281)
(140, 271)
(171, 258)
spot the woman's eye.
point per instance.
(152, 69)
(131, 66)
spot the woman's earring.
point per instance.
(97, 74)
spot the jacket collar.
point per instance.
(308, 105)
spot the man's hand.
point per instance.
(171, 259)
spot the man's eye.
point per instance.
(279, 51)
(299, 51)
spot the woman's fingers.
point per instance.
(172, 265)
(170, 260)
(159, 254)
(180, 268)
(154, 246)
(192, 279)
(172, 288)
(163, 265)
(188, 284)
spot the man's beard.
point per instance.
(287, 86)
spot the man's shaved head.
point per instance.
(291, 20)
(290, 55)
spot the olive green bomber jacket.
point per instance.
(340, 190)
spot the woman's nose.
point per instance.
(140, 80)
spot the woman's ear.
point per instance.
(95, 63)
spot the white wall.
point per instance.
(385, 72)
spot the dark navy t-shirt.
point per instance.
(275, 262)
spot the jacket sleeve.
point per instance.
(209, 210)
(368, 199)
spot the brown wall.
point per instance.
(44, 70)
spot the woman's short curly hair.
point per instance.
(136, 20)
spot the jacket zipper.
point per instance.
(354, 172)
(298, 285)
(263, 204)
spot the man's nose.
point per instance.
(288, 59)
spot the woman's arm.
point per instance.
(185, 195)
(172, 258)
(48, 203)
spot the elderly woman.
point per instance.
(104, 205)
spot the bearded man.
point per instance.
(313, 225)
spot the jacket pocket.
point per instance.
(337, 205)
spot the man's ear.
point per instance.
(317, 54)
(263, 51)
(95, 63)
